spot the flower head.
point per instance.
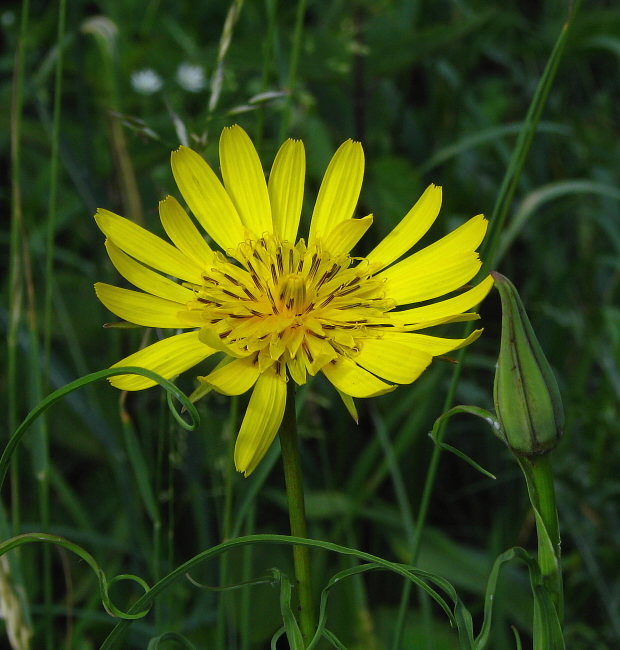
(279, 309)
(191, 77)
(146, 82)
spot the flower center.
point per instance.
(290, 304)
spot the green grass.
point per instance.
(437, 92)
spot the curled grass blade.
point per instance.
(104, 583)
(416, 575)
(59, 394)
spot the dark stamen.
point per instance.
(231, 279)
(304, 345)
(346, 292)
(314, 267)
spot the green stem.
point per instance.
(297, 512)
(539, 476)
(292, 70)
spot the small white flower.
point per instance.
(146, 82)
(191, 77)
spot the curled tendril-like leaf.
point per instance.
(419, 577)
(104, 583)
(59, 394)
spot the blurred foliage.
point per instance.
(436, 92)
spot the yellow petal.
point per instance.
(207, 198)
(352, 380)
(145, 279)
(261, 422)
(235, 377)
(346, 234)
(210, 336)
(147, 247)
(244, 180)
(140, 308)
(410, 230)
(415, 280)
(339, 190)
(168, 358)
(464, 239)
(297, 370)
(286, 189)
(433, 345)
(459, 318)
(182, 232)
(445, 308)
(393, 360)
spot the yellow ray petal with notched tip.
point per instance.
(261, 421)
(392, 360)
(168, 358)
(207, 198)
(147, 247)
(339, 190)
(286, 189)
(465, 238)
(445, 308)
(244, 180)
(183, 233)
(410, 230)
(143, 278)
(236, 377)
(424, 280)
(140, 308)
(353, 380)
(346, 234)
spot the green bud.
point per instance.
(525, 392)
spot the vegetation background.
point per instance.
(437, 92)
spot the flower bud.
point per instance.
(525, 392)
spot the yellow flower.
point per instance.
(282, 309)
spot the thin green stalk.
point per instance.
(105, 33)
(292, 70)
(225, 40)
(271, 7)
(245, 607)
(524, 142)
(538, 473)
(47, 317)
(16, 281)
(229, 477)
(158, 524)
(52, 206)
(297, 512)
(409, 528)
